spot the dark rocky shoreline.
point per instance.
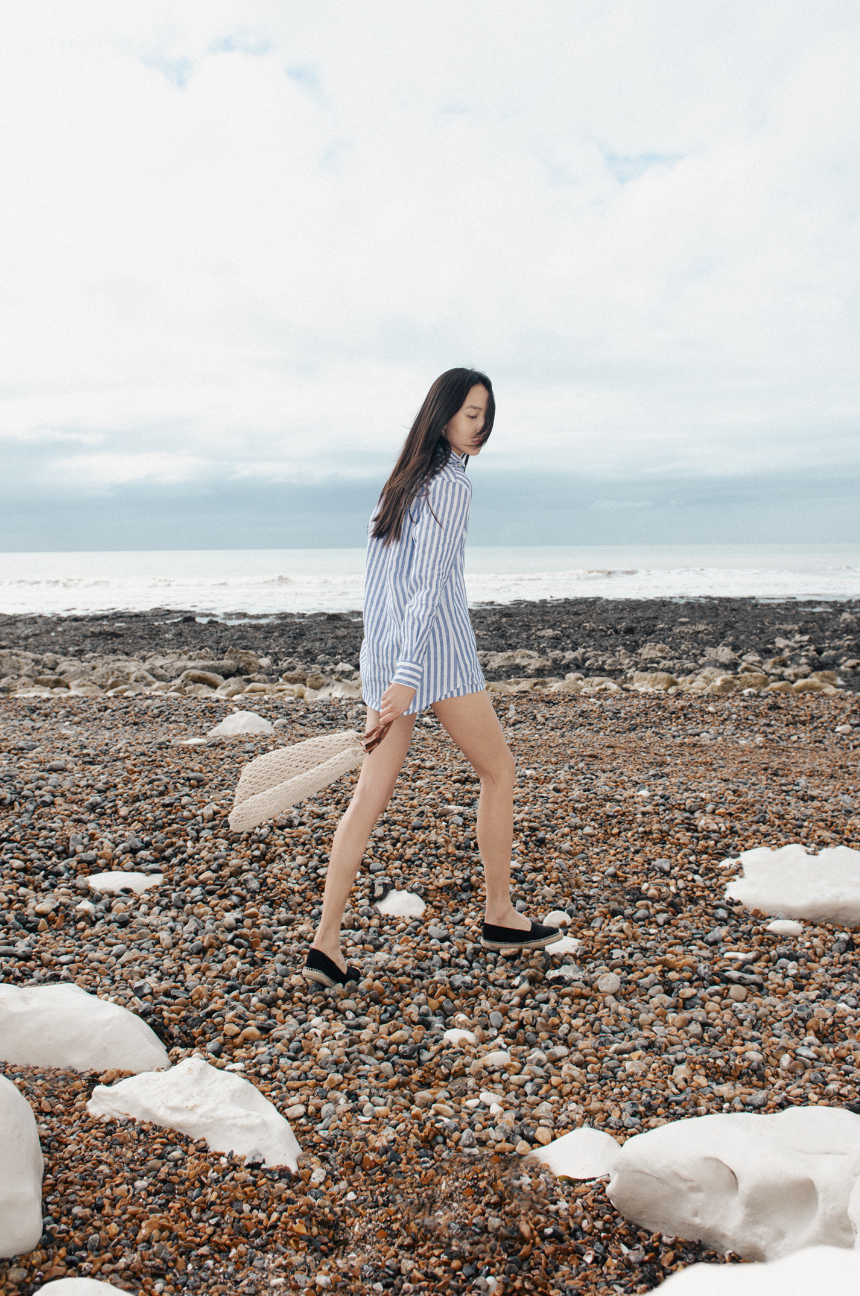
(613, 637)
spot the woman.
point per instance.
(419, 650)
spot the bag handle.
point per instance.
(373, 738)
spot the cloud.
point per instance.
(618, 506)
(95, 471)
(239, 240)
(632, 167)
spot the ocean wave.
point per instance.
(261, 583)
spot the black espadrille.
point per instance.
(511, 938)
(320, 968)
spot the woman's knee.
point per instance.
(501, 773)
(370, 802)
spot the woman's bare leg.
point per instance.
(474, 726)
(373, 791)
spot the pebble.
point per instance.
(785, 927)
(116, 883)
(458, 1036)
(711, 1011)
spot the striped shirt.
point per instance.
(416, 619)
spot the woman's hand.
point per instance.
(395, 700)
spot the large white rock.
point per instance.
(829, 1270)
(821, 888)
(21, 1168)
(78, 1287)
(64, 1026)
(584, 1153)
(204, 1103)
(762, 1186)
(242, 722)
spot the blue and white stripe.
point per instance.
(416, 618)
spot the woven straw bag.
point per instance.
(272, 783)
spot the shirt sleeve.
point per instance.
(437, 540)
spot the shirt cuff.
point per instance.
(407, 673)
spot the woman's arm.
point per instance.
(436, 539)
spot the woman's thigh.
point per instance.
(472, 723)
(381, 768)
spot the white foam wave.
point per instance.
(266, 582)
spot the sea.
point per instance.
(232, 584)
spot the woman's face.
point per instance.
(464, 430)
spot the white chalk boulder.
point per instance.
(816, 1269)
(21, 1168)
(204, 1103)
(584, 1153)
(241, 722)
(401, 904)
(820, 888)
(63, 1026)
(114, 882)
(762, 1186)
(78, 1287)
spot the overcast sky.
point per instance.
(238, 242)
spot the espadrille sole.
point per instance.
(314, 974)
(319, 978)
(540, 943)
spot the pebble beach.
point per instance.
(655, 741)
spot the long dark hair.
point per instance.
(426, 451)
